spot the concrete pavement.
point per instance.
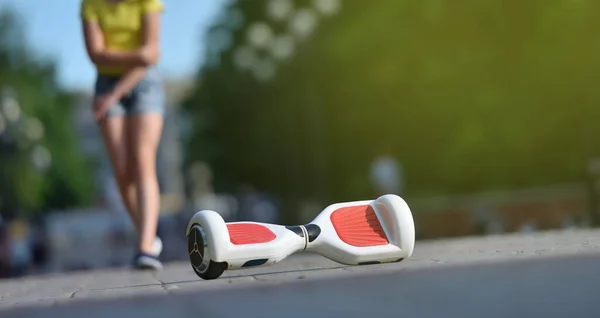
(551, 274)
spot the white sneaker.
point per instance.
(145, 261)
(158, 246)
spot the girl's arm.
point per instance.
(146, 55)
(150, 51)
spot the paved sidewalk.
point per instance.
(537, 275)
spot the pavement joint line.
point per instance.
(183, 282)
(168, 287)
(126, 287)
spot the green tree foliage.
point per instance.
(31, 81)
(469, 95)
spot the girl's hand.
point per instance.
(102, 103)
(148, 55)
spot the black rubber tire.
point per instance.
(214, 271)
(196, 253)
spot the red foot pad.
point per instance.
(249, 233)
(358, 226)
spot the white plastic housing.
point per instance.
(396, 220)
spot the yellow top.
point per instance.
(121, 24)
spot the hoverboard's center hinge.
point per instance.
(305, 235)
(308, 232)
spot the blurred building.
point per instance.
(170, 152)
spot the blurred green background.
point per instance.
(41, 167)
(468, 95)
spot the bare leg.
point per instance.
(113, 134)
(144, 132)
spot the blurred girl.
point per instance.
(122, 40)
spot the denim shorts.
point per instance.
(147, 96)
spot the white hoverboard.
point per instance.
(351, 233)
